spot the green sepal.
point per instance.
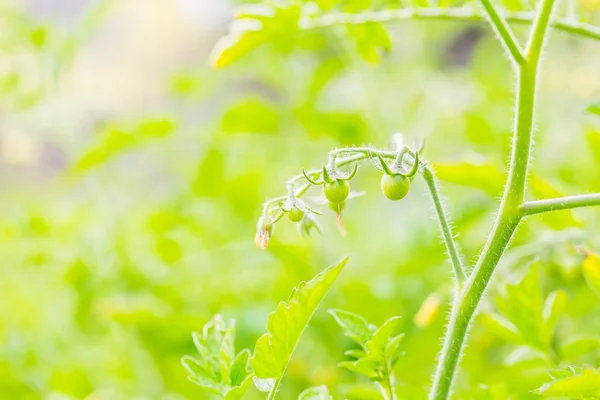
(415, 168)
(311, 180)
(385, 167)
(351, 174)
(326, 177)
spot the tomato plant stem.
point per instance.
(510, 212)
(451, 246)
(560, 203)
(571, 26)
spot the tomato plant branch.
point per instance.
(345, 156)
(451, 246)
(561, 203)
(504, 32)
(570, 26)
(509, 215)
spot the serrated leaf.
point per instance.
(355, 353)
(523, 306)
(381, 348)
(285, 325)
(217, 369)
(382, 336)
(591, 271)
(583, 386)
(365, 366)
(237, 392)
(315, 393)
(393, 350)
(239, 368)
(355, 327)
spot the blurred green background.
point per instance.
(132, 175)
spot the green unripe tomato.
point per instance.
(395, 187)
(337, 191)
(336, 208)
(295, 214)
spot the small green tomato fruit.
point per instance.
(395, 187)
(295, 214)
(337, 191)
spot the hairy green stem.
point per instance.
(504, 32)
(451, 246)
(571, 26)
(509, 215)
(561, 203)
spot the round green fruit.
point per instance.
(395, 187)
(337, 191)
(295, 214)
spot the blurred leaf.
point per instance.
(251, 116)
(346, 127)
(591, 271)
(254, 26)
(315, 393)
(533, 317)
(274, 349)
(370, 39)
(491, 180)
(429, 311)
(581, 386)
(116, 138)
(594, 108)
(525, 355)
(579, 346)
(554, 307)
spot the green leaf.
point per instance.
(381, 348)
(584, 385)
(500, 326)
(255, 25)
(117, 138)
(591, 271)
(315, 393)
(371, 39)
(274, 349)
(239, 368)
(594, 108)
(217, 369)
(365, 366)
(355, 327)
(527, 317)
(382, 336)
(579, 346)
(554, 307)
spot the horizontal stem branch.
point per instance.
(560, 203)
(447, 14)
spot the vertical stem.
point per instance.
(509, 215)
